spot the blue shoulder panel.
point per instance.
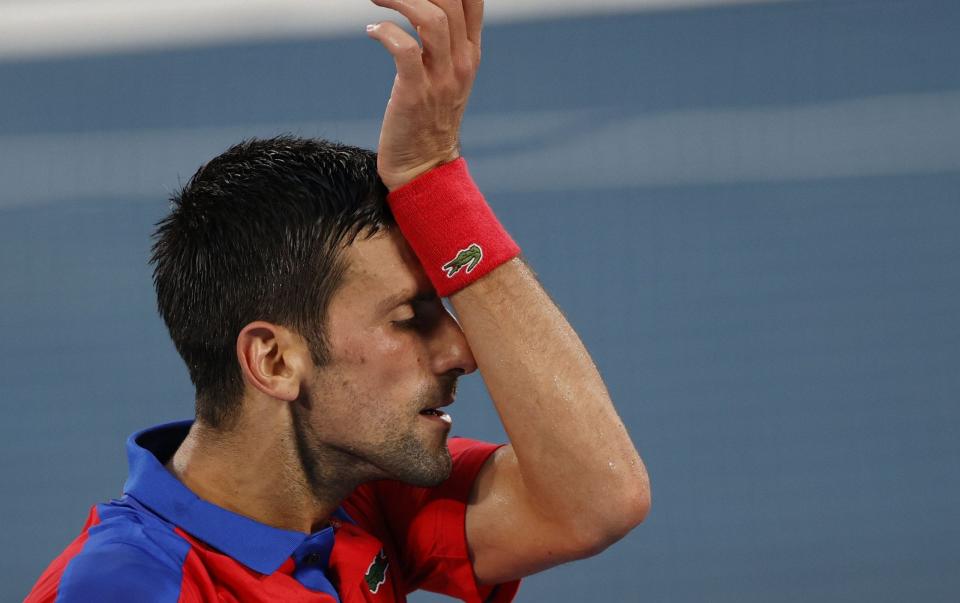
(131, 555)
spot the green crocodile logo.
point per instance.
(377, 572)
(468, 258)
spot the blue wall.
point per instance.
(750, 214)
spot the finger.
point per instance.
(460, 46)
(473, 13)
(403, 47)
(431, 24)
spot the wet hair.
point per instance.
(258, 233)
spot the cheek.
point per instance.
(381, 349)
(379, 365)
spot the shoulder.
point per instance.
(469, 458)
(129, 555)
(470, 454)
(393, 506)
(376, 504)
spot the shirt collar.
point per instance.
(260, 547)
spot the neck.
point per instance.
(255, 469)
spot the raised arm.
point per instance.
(571, 481)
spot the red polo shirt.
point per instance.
(161, 543)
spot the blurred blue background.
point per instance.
(750, 213)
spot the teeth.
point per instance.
(436, 412)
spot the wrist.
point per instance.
(394, 180)
(450, 227)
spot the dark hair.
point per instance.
(258, 234)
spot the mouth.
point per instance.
(438, 415)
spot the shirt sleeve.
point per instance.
(429, 527)
(119, 572)
(114, 561)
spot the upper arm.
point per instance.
(507, 535)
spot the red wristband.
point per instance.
(450, 227)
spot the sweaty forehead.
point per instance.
(382, 270)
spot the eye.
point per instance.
(423, 315)
(407, 323)
(408, 318)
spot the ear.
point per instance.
(273, 359)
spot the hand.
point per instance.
(421, 126)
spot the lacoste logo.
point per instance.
(468, 258)
(377, 572)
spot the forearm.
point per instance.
(571, 482)
(574, 454)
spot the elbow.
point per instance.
(631, 511)
(631, 507)
(641, 502)
(614, 521)
(638, 499)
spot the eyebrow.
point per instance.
(406, 298)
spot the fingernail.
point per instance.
(372, 27)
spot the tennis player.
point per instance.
(302, 282)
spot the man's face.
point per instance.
(394, 352)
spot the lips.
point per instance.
(444, 394)
(438, 406)
(436, 412)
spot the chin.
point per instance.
(427, 473)
(412, 459)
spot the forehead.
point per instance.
(381, 270)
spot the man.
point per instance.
(309, 314)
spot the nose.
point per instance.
(450, 348)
